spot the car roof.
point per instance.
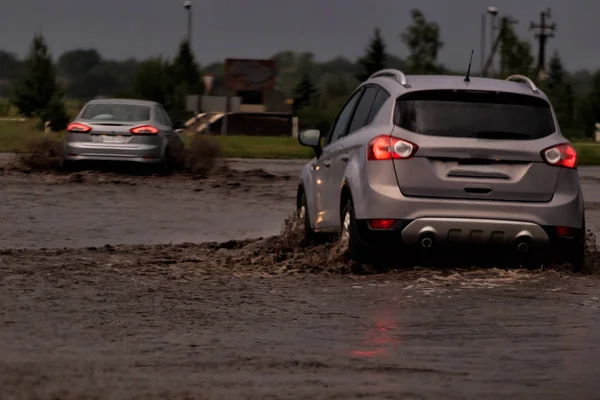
(133, 102)
(453, 82)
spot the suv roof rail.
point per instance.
(523, 78)
(394, 73)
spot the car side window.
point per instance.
(343, 119)
(164, 117)
(380, 99)
(159, 116)
(361, 115)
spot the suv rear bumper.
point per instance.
(474, 235)
(472, 231)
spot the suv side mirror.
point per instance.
(311, 138)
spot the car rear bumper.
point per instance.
(85, 151)
(472, 231)
(470, 235)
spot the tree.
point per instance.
(76, 64)
(304, 93)
(36, 85)
(9, 65)
(559, 89)
(56, 114)
(153, 82)
(291, 67)
(335, 86)
(424, 44)
(587, 109)
(515, 54)
(375, 58)
(185, 75)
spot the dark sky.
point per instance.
(259, 28)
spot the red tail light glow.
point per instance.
(564, 231)
(144, 130)
(563, 155)
(76, 127)
(381, 223)
(388, 148)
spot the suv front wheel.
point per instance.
(349, 238)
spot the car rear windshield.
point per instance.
(476, 114)
(116, 112)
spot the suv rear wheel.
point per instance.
(576, 252)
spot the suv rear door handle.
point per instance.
(345, 157)
(327, 163)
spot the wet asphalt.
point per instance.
(170, 322)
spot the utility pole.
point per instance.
(544, 31)
(188, 8)
(505, 23)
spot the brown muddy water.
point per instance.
(262, 319)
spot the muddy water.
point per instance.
(205, 322)
(55, 212)
(263, 319)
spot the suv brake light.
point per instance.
(389, 147)
(76, 127)
(144, 130)
(562, 155)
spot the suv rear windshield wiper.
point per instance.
(499, 135)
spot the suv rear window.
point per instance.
(116, 112)
(474, 114)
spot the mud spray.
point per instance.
(291, 250)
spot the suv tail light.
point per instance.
(76, 127)
(562, 155)
(144, 130)
(389, 147)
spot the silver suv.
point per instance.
(432, 162)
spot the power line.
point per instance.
(543, 32)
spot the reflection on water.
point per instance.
(381, 336)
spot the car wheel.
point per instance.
(68, 166)
(349, 238)
(309, 235)
(165, 165)
(576, 254)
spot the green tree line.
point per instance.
(38, 85)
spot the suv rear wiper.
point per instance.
(501, 135)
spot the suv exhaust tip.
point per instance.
(522, 247)
(426, 242)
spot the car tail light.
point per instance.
(144, 130)
(381, 223)
(76, 127)
(563, 155)
(564, 231)
(389, 147)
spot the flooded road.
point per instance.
(97, 209)
(55, 212)
(262, 319)
(204, 322)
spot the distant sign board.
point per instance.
(208, 80)
(249, 75)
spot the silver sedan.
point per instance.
(123, 130)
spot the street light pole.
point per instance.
(493, 11)
(188, 7)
